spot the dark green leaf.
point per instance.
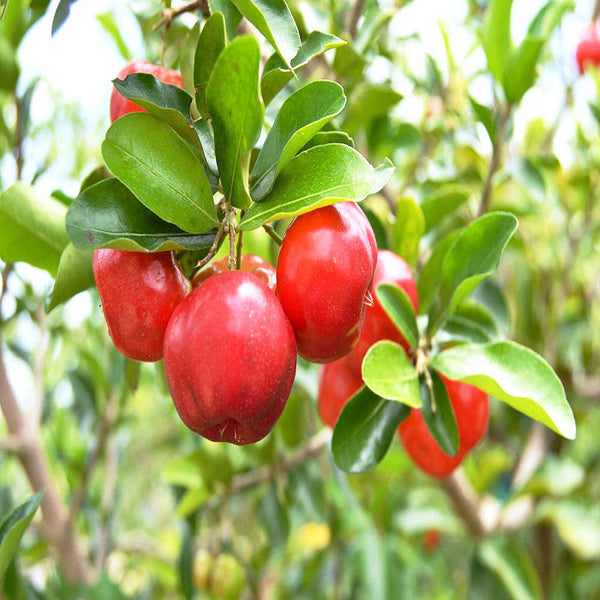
(74, 275)
(438, 413)
(233, 101)
(320, 176)
(107, 215)
(515, 375)
(61, 14)
(379, 229)
(365, 430)
(399, 308)
(159, 167)
(303, 113)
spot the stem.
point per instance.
(232, 260)
(596, 12)
(240, 243)
(169, 14)
(215, 245)
(486, 195)
(274, 235)
(19, 135)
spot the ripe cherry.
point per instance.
(230, 358)
(391, 268)
(337, 385)
(471, 410)
(588, 49)
(325, 267)
(120, 105)
(139, 293)
(250, 262)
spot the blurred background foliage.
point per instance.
(165, 514)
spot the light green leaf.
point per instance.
(13, 527)
(442, 203)
(440, 421)
(107, 21)
(383, 174)
(408, 229)
(233, 101)
(388, 372)
(303, 113)
(32, 228)
(74, 275)
(329, 137)
(320, 176)
(275, 21)
(496, 39)
(400, 310)
(159, 167)
(276, 74)
(515, 375)
(368, 102)
(485, 116)
(213, 39)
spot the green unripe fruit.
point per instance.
(228, 578)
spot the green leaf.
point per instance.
(429, 280)
(368, 102)
(275, 21)
(485, 116)
(388, 372)
(213, 39)
(107, 21)
(107, 215)
(61, 14)
(490, 294)
(234, 104)
(496, 39)
(74, 275)
(9, 65)
(383, 173)
(230, 12)
(521, 69)
(473, 257)
(13, 527)
(365, 430)
(399, 308)
(32, 228)
(186, 64)
(515, 375)
(408, 229)
(515, 569)
(159, 167)
(442, 203)
(317, 177)
(302, 115)
(276, 74)
(329, 137)
(379, 229)
(440, 421)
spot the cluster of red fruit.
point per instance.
(229, 339)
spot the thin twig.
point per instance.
(232, 260)
(39, 365)
(240, 243)
(596, 12)
(168, 15)
(215, 246)
(274, 235)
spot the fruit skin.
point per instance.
(588, 49)
(325, 267)
(252, 263)
(337, 385)
(119, 105)
(471, 409)
(230, 358)
(228, 578)
(391, 268)
(139, 292)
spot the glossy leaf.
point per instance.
(383, 173)
(514, 568)
(275, 21)
(408, 229)
(74, 275)
(159, 167)
(438, 413)
(474, 256)
(388, 372)
(186, 63)
(317, 177)
(276, 74)
(364, 431)
(107, 215)
(230, 12)
(234, 104)
(61, 14)
(212, 40)
(13, 527)
(485, 115)
(515, 375)
(32, 228)
(399, 308)
(329, 137)
(302, 115)
(496, 39)
(442, 203)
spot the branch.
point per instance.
(168, 15)
(12, 443)
(55, 521)
(596, 12)
(264, 474)
(39, 365)
(354, 16)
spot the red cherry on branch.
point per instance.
(588, 49)
(139, 293)
(325, 267)
(230, 358)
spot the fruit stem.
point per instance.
(274, 235)
(215, 245)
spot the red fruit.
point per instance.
(338, 384)
(250, 262)
(324, 271)
(588, 50)
(120, 105)
(230, 358)
(431, 539)
(391, 268)
(471, 409)
(139, 293)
